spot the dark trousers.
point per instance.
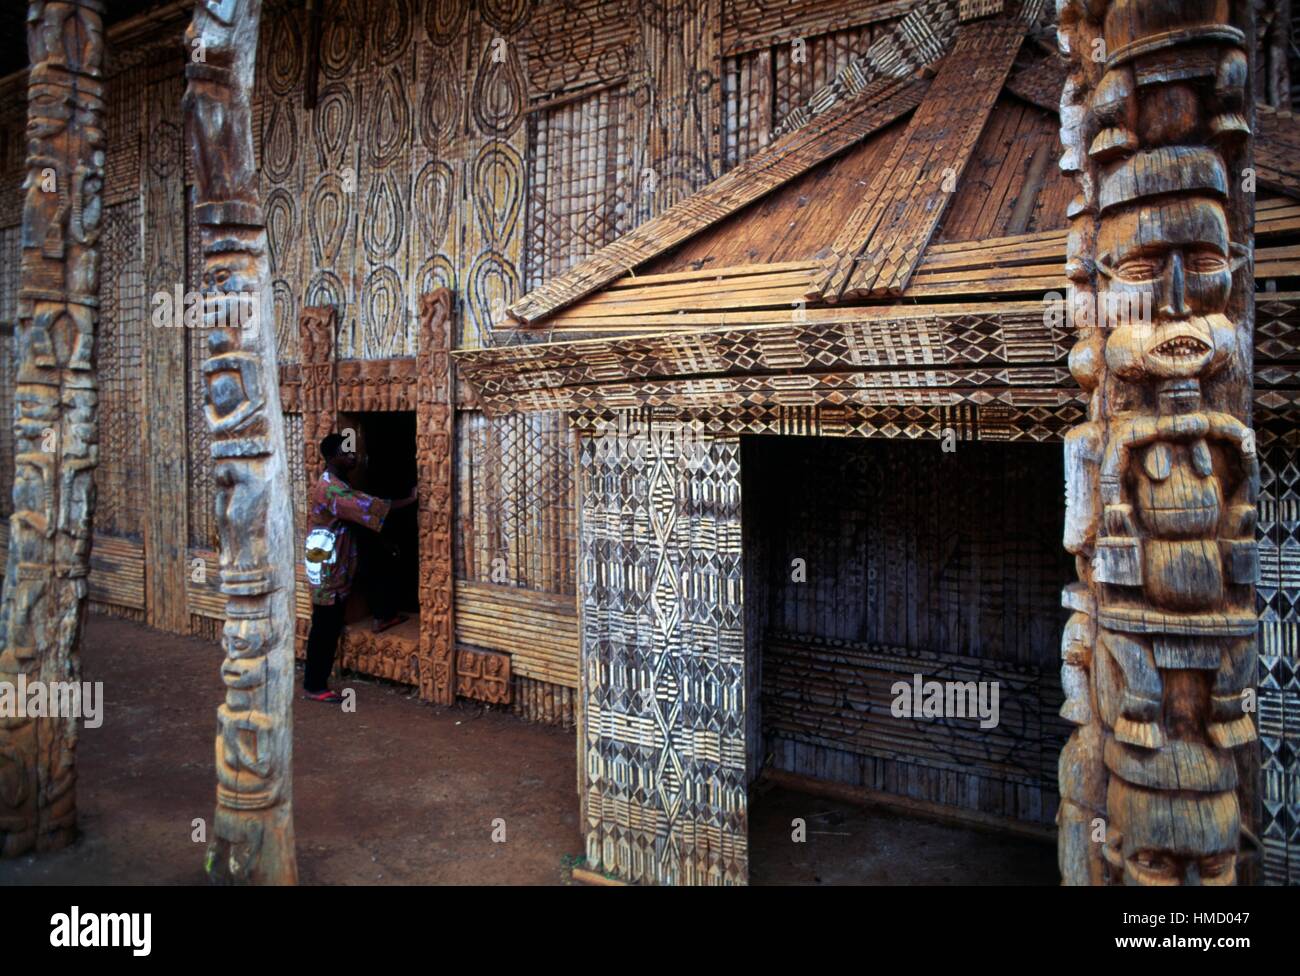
(322, 642)
(376, 577)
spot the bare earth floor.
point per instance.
(850, 844)
(398, 792)
(401, 792)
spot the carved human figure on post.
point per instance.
(1162, 479)
(253, 839)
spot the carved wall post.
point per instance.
(253, 826)
(433, 438)
(1161, 482)
(55, 423)
(317, 329)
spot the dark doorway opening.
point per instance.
(386, 449)
(869, 563)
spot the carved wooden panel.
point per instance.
(163, 432)
(434, 432)
(317, 389)
(663, 760)
(120, 475)
(484, 675)
(407, 175)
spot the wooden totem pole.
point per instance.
(55, 424)
(253, 826)
(1161, 481)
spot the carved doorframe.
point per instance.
(423, 384)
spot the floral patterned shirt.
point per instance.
(332, 505)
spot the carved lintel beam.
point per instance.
(1158, 656)
(55, 416)
(252, 831)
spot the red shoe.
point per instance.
(327, 696)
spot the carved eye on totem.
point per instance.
(1218, 865)
(1206, 261)
(1139, 268)
(1155, 864)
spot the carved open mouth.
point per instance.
(1181, 347)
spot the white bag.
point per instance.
(319, 554)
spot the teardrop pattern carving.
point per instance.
(280, 143)
(384, 311)
(281, 228)
(332, 125)
(443, 20)
(384, 220)
(436, 272)
(504, 16)
(328, 220)
(493, 284)
(327, 289)
(435, 189)
(498, 182)
(499, 92)
(390, 30)
(338, 49)
(390, 120)
(284, 60)
(440, 107)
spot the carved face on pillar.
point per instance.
(1158, 837)
(229, 285)
(1172, 260)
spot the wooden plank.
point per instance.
(1277, 151)
(164, 402)
(789, 156)
(538, 630)
(754, 26)
(881, 243)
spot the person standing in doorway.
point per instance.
(335, 509)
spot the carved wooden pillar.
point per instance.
(1159, 654)
(253, 826)
(434, 438)
(55, 423)
(317, 329)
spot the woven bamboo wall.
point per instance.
(483, 146)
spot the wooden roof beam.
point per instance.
(882, 242)
(792, 155)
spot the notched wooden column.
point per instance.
(55, 422)
(317, 334)
(1159, 653)
(435, 401)
(253, 826)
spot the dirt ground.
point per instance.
(849, 844)
(398, 792)
(401, 792)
